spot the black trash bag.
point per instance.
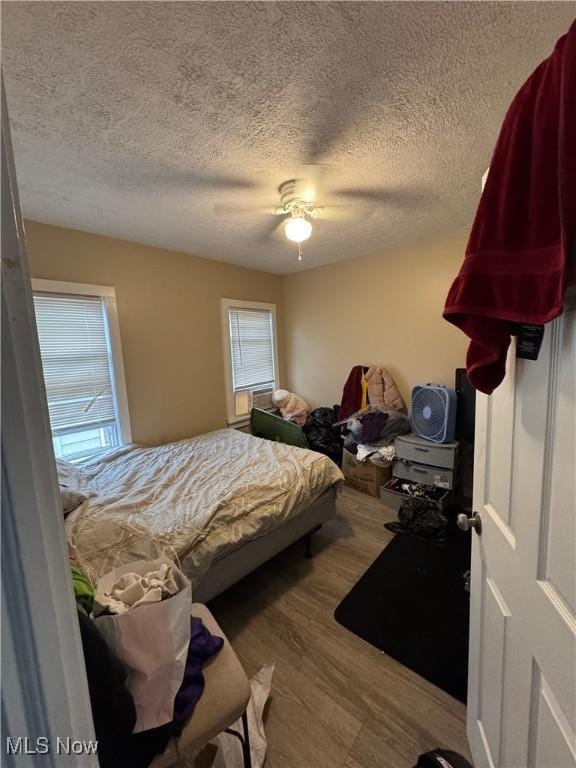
(322, 435)
(322, 417)
(422, 519)
(442, 758)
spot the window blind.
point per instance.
(251, 348)
(76, 360)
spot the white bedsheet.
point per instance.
(196, 498)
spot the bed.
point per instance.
(221, 503)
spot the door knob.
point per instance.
(465, 523)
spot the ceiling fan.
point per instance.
(298, 209)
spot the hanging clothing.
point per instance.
(382, 389)
(516, 259)
(369, 386)
(363, 392)
(352, 393)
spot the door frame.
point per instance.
(44, 696)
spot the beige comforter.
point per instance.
(196, 498)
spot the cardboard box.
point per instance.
(363, 475)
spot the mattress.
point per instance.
(194, 500)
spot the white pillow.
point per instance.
(70, 480)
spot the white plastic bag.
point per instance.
(229, 753)
(151, 640)
(229, 750)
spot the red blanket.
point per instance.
(516, 259)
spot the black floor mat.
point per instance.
(411, 604)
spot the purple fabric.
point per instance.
(373, 424)
(203, 646)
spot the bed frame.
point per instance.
(241, 561)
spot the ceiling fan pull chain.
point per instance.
(299, 252)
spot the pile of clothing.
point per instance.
(134, 589)
(372, 409)
(372, 430)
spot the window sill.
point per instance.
(235, 422)
(239, 421)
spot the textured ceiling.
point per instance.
(138, 119)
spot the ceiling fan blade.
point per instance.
(385, 195)
(166, 178)
(337, 213)
(232, 210)
(334, 111)
(218, 182)
(333, 117)
(272, 228)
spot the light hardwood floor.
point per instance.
(337, 702)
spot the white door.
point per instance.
(522, 680)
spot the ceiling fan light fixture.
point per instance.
(298, 229)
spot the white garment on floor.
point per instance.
(134, 589)
(229, 749)
(229, 753)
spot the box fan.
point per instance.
(434, 412)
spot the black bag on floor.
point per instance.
(321, 434)
(442, 758)
(422, 519)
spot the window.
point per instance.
(82, 364)
(250, 355)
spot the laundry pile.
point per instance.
(385, 454)
(371, 414)
(134, 589)
(372, 430)
(372, 409)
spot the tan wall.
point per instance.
(384, 309)
(379, 309)
(169, 313)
